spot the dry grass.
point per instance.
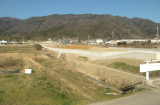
(4, 56)
(82, 47)
(128, 61)
(126, 65)
(11, 64)
(12, 61)
(158, 47)
(103, 49)
(123, 64)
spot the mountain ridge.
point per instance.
(7, 23)
(71, 25)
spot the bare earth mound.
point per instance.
(102, 49)
(84, 47)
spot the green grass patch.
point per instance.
(34, 88)
(124, 66)
(132, 69)
(45, 62)
(68, 102)
(84, 58)
(9, 75)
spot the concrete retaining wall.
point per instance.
(108, 75)
(142, 55)
(135, 55)
(91, 53)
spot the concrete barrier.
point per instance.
(91, 53)
(110, 76)
(141, 55)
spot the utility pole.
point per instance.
(128, 33)
(112, 35)
(157, 36)
(88, 39)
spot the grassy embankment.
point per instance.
(126, 65)
(51, 82)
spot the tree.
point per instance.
(17, 39)
(10, 38)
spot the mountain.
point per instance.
(7, 23)
(149, 27)
(97, 26)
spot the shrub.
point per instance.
(121, 43)
(9, 62)
(38, 47)
(61, 95)
(124, 43)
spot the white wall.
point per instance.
(135, 54)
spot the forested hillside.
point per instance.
(7, 23)
(69, 25)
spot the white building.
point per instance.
(49, 39)
(99, 41)
(3, 42)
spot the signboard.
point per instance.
(28, 71)
(149, 67)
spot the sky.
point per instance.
(24, 9)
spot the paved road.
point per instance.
(146, 97)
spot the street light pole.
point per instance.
(157, 36)
(112, 35)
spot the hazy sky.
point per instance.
(23, 9)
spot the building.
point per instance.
(84, 41)
(99, 41)
(3, 42)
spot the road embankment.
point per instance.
(110, 76)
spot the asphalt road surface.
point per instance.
(146, 97)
